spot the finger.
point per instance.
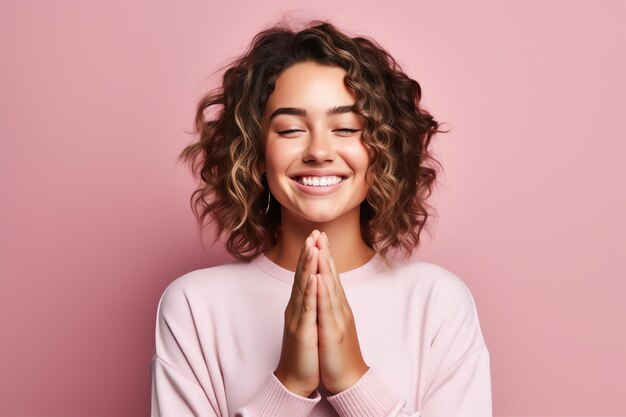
(332, 260)
(315, 234)
(333, 268)
(326, 274)
(308, 243)
(325, 313)
(325, 270)
(299, 282)
(309, 267)
(332, 286)
(308, 312)
(298, 286)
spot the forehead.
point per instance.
(310, 85)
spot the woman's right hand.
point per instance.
(298, 367)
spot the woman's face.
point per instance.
(315, 161)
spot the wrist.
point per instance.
(292, 386)
(348, 382)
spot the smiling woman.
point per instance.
(385, 108)
(317, 170)
(316, 167)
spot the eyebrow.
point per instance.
(299, 111)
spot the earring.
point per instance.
(269, 195)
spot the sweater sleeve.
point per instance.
(176, 367)
(174, 394)
(458, 369)
(181, 382)
(273, 399)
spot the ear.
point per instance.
(261, 166)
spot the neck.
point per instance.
(344, 234)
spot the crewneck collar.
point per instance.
(353, 276)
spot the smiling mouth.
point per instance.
(319, 181)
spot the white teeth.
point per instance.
(319, 181)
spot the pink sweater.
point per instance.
(219, 336)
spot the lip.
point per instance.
(323, 190)
(319, 173)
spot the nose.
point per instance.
(319, 148)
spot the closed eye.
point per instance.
(286, 132)
(289, 131)
(348, 130)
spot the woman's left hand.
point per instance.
(340, 359)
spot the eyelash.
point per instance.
(284, 132)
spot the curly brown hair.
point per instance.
(232, 192)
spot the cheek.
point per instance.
(272, 157)
(357, 156)
(279, 157)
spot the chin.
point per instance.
(320, 218)
(322, 213)
(323, 216)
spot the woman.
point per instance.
(317, 167)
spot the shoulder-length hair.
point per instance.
(232, 192)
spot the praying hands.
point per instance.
(320, 342)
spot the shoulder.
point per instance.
(445, 303)
(444, 288)
(428, 273)
(203, 286)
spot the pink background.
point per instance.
(95, 100)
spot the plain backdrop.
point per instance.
(96, 102)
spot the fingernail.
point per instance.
(326, 237)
